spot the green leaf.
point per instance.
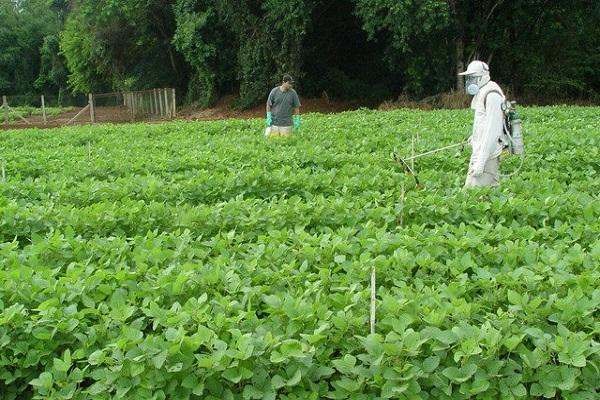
(345, 364)
(277, 382)
(172, 334)
(61, 365)
(294, 380)
(96, 358)
(159, 359)
(349, 385)
(291, 348)
(459, 375)
(44, 380)
(430, 364)
(391, 390)
(251, 392)
(514, 297)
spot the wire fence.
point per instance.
(117, 107)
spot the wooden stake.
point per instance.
(44, 110)
(373, 299)
(18, 115)
(92, 108)
(78, 114)
(174, 103)
(167, 112)
(160, 102)
(402, 193)
(412, 146)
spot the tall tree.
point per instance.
(518, 38)
(25, 25)
(121, 45)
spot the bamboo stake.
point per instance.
(373, 299)
(402, 193)
(412, 159)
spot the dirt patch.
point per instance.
(224, 109)
(118, 115)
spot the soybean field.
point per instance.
(189, 260)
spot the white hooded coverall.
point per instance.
(488, 127)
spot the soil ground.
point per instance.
(222, 110)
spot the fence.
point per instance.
(118, 107)
(155, 102)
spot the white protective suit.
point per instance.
(488, 128)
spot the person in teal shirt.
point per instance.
(283, 109)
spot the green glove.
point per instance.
(297, 121)
(269, 118)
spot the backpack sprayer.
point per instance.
(511, 140)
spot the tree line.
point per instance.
(371, 50)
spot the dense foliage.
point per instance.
(362, 49)
(199, 260)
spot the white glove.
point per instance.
(476, 170)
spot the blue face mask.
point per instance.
(472, 89)
(471, 86)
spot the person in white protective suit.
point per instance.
(488, 126)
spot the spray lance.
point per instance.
(511, 140)
(403, 162)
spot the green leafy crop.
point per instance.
(199, 260)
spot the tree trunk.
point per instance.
(460, 64)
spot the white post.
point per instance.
(160, 102)
(173, 99)
(412, 161)
(92, 108)
(373, 299)
(44, 110)
(402, 194)
(167, 112)
(155, 101)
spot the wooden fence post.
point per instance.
(44, 110)
(173, 99)
(5, 106)
(92, 108)
(167, 108)
(160, 102)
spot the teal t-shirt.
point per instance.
(282, 105)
